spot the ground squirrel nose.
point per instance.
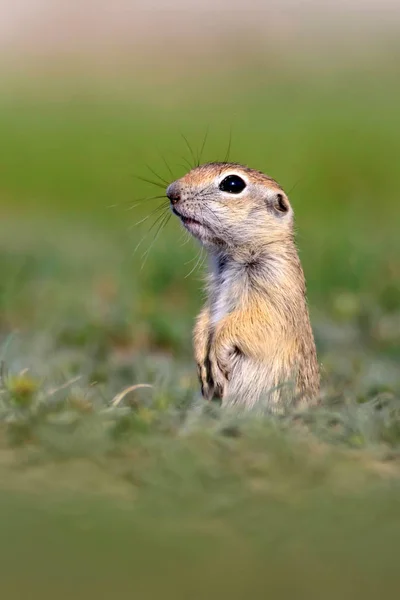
(173, 193)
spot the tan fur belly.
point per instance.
(259, 385)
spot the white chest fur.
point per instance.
(227, 279)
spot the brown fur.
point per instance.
(253, 341)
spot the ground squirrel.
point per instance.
(253, 341)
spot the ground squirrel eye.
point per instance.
(233, 184)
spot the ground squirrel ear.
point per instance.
(280, 203)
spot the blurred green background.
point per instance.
(146, 493)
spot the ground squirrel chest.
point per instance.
(227, 282)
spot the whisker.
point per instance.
(157, 220)
(161, 226)
(160, 207)
(295, 185)
(203, 261)
(195, 257)
(149, 181)
(140, 200)
(157, 175)
(229, 145)
(187, 237)
(200, 256)
(190, 150)
(202, 146)
(167, 165)
(187, 165)
(204, 190)
(223, 228)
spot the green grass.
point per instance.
(158, 494)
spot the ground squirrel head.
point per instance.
(228, 205)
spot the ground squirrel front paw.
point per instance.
(207, 389)
(220, 370)
(213, 377)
